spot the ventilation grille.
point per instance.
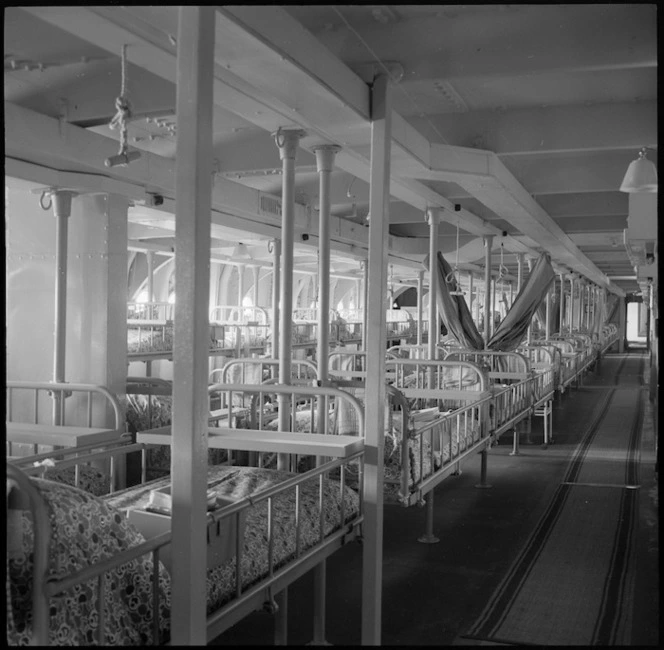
(270, 205)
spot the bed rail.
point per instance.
(236, 315)
(71, 423)
(157, 313)
(249, 594)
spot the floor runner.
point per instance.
(572, 583)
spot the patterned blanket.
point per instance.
(86, 529)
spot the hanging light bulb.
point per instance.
(641, 175)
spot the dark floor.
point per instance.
(432, 593)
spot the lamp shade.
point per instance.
(641, 175)
(241, 252)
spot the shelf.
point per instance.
(65, 436)
(269, 441)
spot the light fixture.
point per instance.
(241, 252)
(641, 175)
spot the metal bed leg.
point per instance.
(281, 618)
(319, 605)
(429, 537)
(483, 464)
(515, 444)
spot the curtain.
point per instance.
(453, 310)
(514, 326)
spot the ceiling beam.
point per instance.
(553, 129)
(601, 204)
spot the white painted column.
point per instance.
(276, 292)
(470, 291)
(488, 239)
(325, 164)
(257, 272)
(562, 304)
(547, 327)
(571, 303)
(61, 200)
(365, 303)
(193, 191)
(240, 284)
(420, 289)
(150, 284)
(529, 339)
(287, 140)
(376, 336)
(433, 217)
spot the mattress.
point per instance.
(150, 339)
(238, 482)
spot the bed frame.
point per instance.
(514, 387)
(71, 415)
(239, 330)
(150, 333)
(342, 450)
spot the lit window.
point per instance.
(171, 298)
(142, 296)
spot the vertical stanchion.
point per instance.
(488, 239)
(287, 140)
(379, 193)
(193, 192)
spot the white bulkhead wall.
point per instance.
(96, 327)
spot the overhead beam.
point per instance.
(603, 204)
(552, 129)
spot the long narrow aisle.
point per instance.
(573, 582)
(433, 594)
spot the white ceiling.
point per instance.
(557, 98)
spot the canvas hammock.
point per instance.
(456, 316)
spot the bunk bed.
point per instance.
(150, 332)
(401, 328)
(515, 389)
(239, 331)
(266, 528)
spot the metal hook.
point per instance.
(279, 138)
(41, 201)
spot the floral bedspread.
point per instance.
(86, 529)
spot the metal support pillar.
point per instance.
(364, 264)
(287, 140)
(547, 326)
(61, 200)
(571, 303)
(420, 289)
(256, 272)
(488, 239)
(562, 304)
(470, 292)
(379, 205)
(276, 291)
(193, 192)
(325, 163)
(433, 217)
(622, 324)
